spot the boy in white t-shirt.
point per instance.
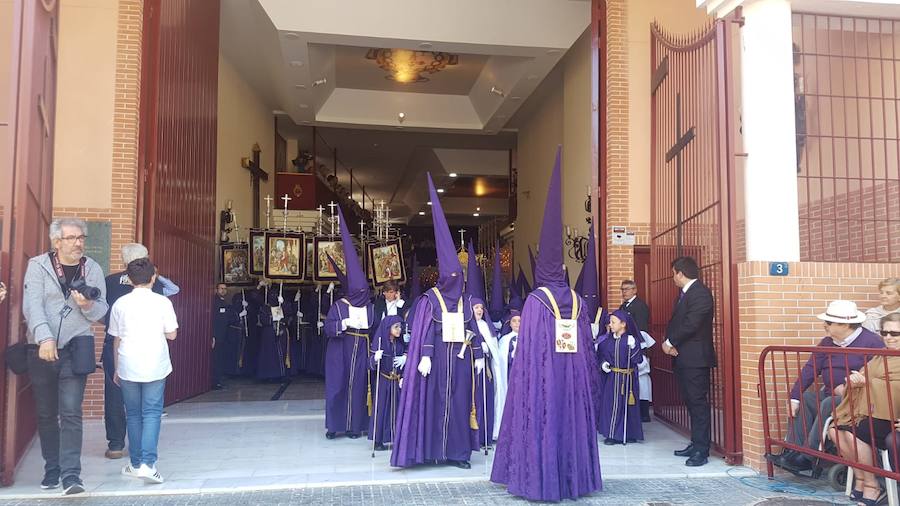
(141, 322)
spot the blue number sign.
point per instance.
(778, 268)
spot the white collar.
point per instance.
(629, 301)
(847, 342)
(687, 285)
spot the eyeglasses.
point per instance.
(628, 288)
(892, 333)
(74, 238)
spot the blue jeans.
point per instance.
(143, 409)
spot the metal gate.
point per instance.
(27, 115)
(692, 211)
(177, 187)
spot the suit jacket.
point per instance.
(640, 311)
(690, 329)
(381, 310)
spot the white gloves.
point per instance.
(425, 366)
(345, 323)
(400, 361)
(280, 299)
(486, 349)
(243, 313)
(498, 325)
(479, 365)
(330, 287)
(631, 342)
(244, 303)
(319, 325)
(297, 296)
(595, 329)
(378, 355)
(605, 367)
(401, 383)
(299, 315)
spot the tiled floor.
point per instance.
(264, 445)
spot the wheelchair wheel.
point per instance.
(837, 477)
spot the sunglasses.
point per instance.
(892, 333)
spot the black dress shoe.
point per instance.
(353, 435)
(610, 441)
(687, 452)
(697, 459)
(329, 435)
(462, 464)
(380, 447)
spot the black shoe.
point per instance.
(379, 447)
(462, 464)
(698, 459)
(329, 435)
(610, 441)
(687, 452)
(72, 485)
(50, 481)
(218, 386)
(646, 420)
(353, 435)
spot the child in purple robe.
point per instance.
(387, 358)
(620, 354)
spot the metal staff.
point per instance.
(377, 382)
(484, 402)
(318, 309)
(246, 332)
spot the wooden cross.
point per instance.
(319, 223)
(256, 174)
(683, 139)
(268, 200)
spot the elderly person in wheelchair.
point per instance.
(863, 419)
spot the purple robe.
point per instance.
(347, 381)
(482, 395)
(386, 390)
(433, 420)
(272, 359)
(620, 411)
(547, 450)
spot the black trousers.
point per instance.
(58, 393)
(693, 382)
(113, 404)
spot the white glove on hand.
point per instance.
(345, 323)
(401, 383)
(243, 314)
(378, 355)
(631, 343)
(244, 303)
(425, 366)
(479, 365)
(299, 315)
(319, 325)
(605, 367)
(486, 349)
(595, 329)
(280, 299)
(498, 325)
(400, 361)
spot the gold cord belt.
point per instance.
(621, 371)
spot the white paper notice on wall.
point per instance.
(622, 237)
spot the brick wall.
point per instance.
(124, 171)
(781, 311)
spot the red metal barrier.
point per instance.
(779, 368)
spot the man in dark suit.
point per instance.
(689, 340)
(633, 305)
(389, 303)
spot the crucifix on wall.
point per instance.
(256, 173)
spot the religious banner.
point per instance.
(235, 264)
(258, 252)
(284, 256)
(386, 261)
(300, 187)
(325, 247)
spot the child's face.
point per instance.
(478, 311)
(616, 325)
(395, 329)
(514, 323)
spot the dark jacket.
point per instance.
(690, 328)
(640, 311)
(381, 310)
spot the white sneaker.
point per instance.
(149, 474)
(130, 471)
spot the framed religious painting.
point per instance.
(387, 263)
(235, 264)
(284, 256)
(310, 260)
(257, 252)
(323, 248)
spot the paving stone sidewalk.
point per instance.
(696, 491)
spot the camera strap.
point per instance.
(61, 274)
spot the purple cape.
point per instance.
(347, 382)
(386, 388)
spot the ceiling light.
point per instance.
(296, 63)
(497, 91)
(478, 209)
(320, 82)
(300, 86)
(476, 214)
(407, 66)
(440, 190)
(401, 117)
(453, 174)
(421, 213)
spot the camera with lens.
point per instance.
(87, 291)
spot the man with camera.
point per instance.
(64, 294)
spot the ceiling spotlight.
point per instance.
(296, 63)
(291, 35)
(440, 190)
(320, 82)
(429, 202)
(300, 86)
(426, 45)
(421, 213)
(497, 91)
(476, 214)
(478, 209)
(401, 117)
(453, 174)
